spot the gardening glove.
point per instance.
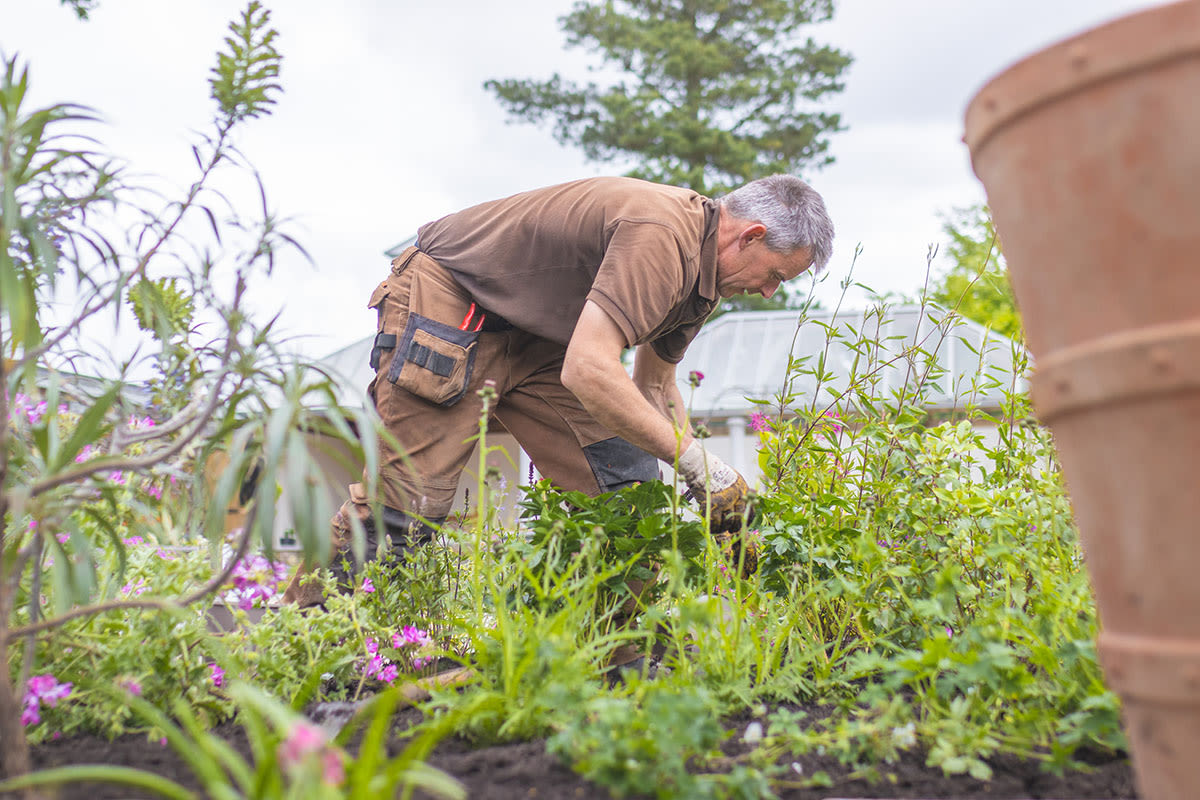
(713, 483)
(742, 548)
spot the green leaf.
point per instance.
(100, 773)
(90, 429)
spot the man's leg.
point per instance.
(419, 305)
(573, 450)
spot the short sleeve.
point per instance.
(641, 279)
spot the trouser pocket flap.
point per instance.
(434, 360)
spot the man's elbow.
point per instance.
(582, 375)
(574, 374)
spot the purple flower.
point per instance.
(254, 579)
(62, 538)
(134, 589)
(23, 404)
(388, 673)
(133, 541)
(216, 674)
(117, 477)
(42, 689)
(86, 453)
(759, 423)
(694, 377)
(410, 635)
(132, 686)
(374, 666)
(367, 586)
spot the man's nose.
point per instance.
(769, 289)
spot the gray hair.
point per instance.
(792, 211)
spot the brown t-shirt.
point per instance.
(643, 252)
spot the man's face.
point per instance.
(750, 267)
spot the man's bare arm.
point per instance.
(592, 370)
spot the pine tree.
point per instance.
(713, 93)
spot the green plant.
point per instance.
(85, 466)
(642, 742)
(292, 758)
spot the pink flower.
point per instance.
(372, 646)
(117, 477)
(388, 673)
(833, 421)
(86, 453)
(132, 686)
(153, 490)
(410, 635)
(133, 541)
(367, 586)
(145, 423)
(694, 377)
(305, 740)
(62, 538)
(42, 689)
(134, 589)
(256, 579)
(333, 771)
(302, 739)
(164, 555)
(216, 675)
(759, 423)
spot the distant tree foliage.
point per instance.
(714, 92)
(82, 7)
(978, 282)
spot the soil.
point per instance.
(524, 770)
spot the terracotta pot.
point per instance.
(1090, 154)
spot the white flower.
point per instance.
(753, 734)
(905, 735)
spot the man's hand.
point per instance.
(715, 484)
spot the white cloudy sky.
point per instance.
(384, 123)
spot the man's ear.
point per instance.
(751, 233)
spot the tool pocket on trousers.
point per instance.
(434, 361)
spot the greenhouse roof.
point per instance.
(746, 355)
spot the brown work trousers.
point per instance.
(426, 393)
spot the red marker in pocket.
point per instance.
(466, 323)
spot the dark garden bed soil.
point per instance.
(525, 770)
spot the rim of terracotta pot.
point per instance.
(1142, 40)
